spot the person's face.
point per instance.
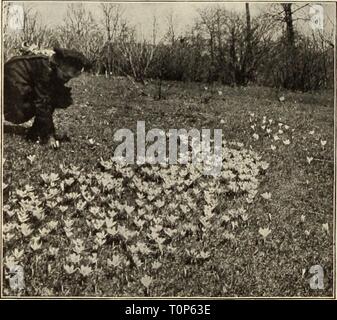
(68, 70)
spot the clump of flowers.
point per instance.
(126, 222)
(277, 132)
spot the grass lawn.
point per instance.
(79, 224)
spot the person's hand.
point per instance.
(53, 143)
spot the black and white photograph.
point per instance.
(168, 149)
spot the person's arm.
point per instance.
(43, 125)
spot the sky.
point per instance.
(141, 14)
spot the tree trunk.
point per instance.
(290, 81)
(247, 61)
(232, 54)
(288, 18)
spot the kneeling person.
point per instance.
(34, 86)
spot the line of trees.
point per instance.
(221, 46)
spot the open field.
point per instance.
(91, 227)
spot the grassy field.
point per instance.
(80, 224)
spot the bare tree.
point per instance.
(288, 19)
(171, 21)
(248, 56)
(112, 16)
(207, 16)
(81, 31)
(112, 24)
(138, 53)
